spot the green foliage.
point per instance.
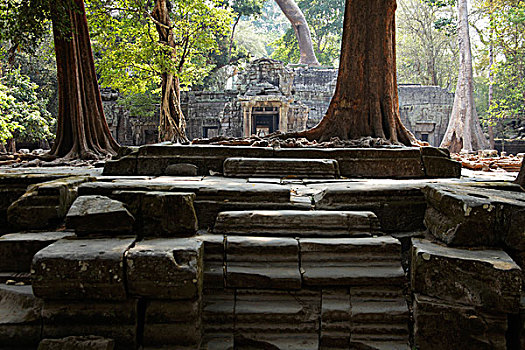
(129, 57)
(325, 19)
(22, 113)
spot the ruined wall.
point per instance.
(301, 94)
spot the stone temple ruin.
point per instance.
(220, 247)
(269, 97)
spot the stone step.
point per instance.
(281, 167)
(351, 261)
(17, 249)
(297, 223)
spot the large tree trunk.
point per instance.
(365, 102)
(82, 130)
(172, 122)
(464, 129)
(302, 31)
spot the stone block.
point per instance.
(112, 320)
(262, 263)
(213, 261)
(281, 167)
(437, 163)
(17, 249)
(400, 206)
(20, 320)
(380, 318)
(77, 343)
(297, 223)
(165, 268)
(218, 311)
(448, 326)
(483, 278)
(172, 323)
(283, 319)
(99, 215)
(217, 342)
(44, 205)
(335, 319)
(161, 214)
(183, 169)
(81, 269)
(351, 261)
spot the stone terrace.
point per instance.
(282, 262)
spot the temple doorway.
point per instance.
(265, 120)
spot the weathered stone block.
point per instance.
(351, 261)
(483, 278)
(169, 268)
(217, 342)
(112, 320)
(437, 163)
(297, 223)
(443, 325)
(161, 214)
(17, 249)
(20, 320)
(380, 318)
(44, 205)
(280, 167)
(335, 319)
(77, 343)
(81, 269)
(99, 214)
(174, 323)
(286, 320)
(218, 311)
(213, 261)
(262, 263)
(183, 169)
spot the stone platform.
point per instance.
(393, 162)
(209, 262)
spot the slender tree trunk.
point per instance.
(521, 176)
(491, 76)
(11, 145)
(464, 129)
(82, 130)
(302, 31)
(172, 122)
(365, 102)
(232, 36)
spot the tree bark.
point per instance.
(365, 102)
(172, 122)
(82, 130)
(302, 31)
(464, 129)
(491, 76)
(521, 176)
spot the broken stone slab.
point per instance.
(99, 215)
(165, 268)
(81, 269)
(218, 311)
(172, 323)
(161, 214)
(443, 325)
(380, 318)
(281, 167)
(469, 216)
(277, 312)
(262, 263)
(335, 319)
(213, 261)
(183, 169)
(20, 319)
(44, 205)
(77, 343)
(17, 249)
(437, 163)
(297, 223)
(399, 205)
(483, 278)
(351, 261)
(115, 320)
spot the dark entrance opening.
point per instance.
(265, 120)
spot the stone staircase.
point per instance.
(295, 280)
